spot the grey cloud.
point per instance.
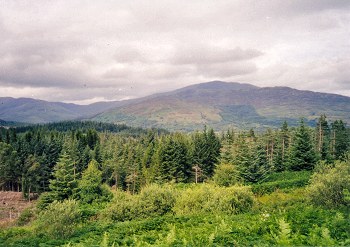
(129, 54)
(199, 54)
(80, 50)
(228, 70)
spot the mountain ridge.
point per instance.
(217, 103)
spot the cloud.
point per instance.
(86, 50)
(200, 54)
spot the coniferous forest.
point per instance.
(97, 184)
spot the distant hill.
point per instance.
(217, 104)
(222, 105)
(4, 123)
(39, 111)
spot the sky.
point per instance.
(88, 51)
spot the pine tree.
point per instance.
(302, 156)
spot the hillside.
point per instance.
(217, 104)
(222, 105)
(40, 111)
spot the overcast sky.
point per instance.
(86, 51)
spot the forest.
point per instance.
(97, 184)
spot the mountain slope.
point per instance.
(40, 111)
(222, 105)
(217, 104)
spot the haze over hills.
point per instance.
(216, 104)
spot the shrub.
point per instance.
(122, 207)
(206, 198)
(225, 175)
(329, 185)
(156, 200)
(26, 216)
(44, 200)
(59, 219)
(153, 200)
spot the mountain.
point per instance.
(217, 104)
(40, 111)
(222, 105)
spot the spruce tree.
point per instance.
(322, 134)
(302, 155)
(340, 142)
(206, 151)
(174, 160)
(90, 186)
(63, 183)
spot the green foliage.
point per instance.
(226, 175)
(302, 156)
(59, 219)
(206, 151)
(174, 162)
(9, 166)
(90, 187)
(287, 180)
(45, 199)
(153, 200)
(64, 181)
(330, 184)
(207, 198)
(26, 216)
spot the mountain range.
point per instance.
(217, 104)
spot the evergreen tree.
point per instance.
(340, 142)
(174, 160)
(63, 183)
(322, 134)
(302, 156)
(10, 170)
(282, 148)
(206, 151)
(252, 161)
(90, 186)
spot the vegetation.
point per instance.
(289, 186)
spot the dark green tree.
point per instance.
(340, 142)
(174, 162)
(206, 151)
(322, 138)
(302, 155)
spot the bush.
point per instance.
(122, 207)
(59, 219)
(225, 175)
(153, 200)
(329, 186)
(44, 200)
(206, 198)
(156, 200)
(26, 216)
